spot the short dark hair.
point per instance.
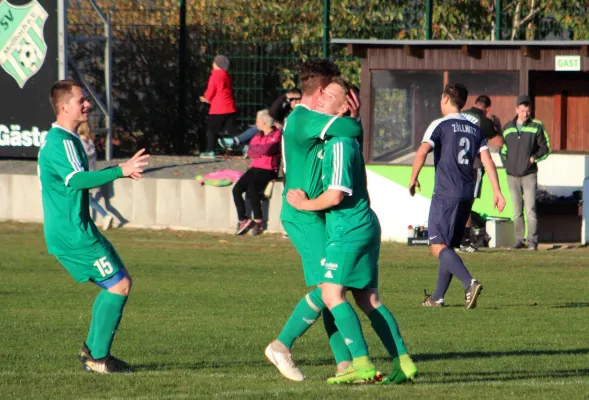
(316, 73)
(484, 99)
(294, 91)
(60, 90)
(458, 93)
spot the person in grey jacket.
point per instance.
(526, 144)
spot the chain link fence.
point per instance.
(156, 85)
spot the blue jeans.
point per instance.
(247, 135)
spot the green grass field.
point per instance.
(204, 306)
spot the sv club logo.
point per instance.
(22, 46)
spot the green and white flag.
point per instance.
(22, 46)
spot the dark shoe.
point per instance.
(429, 302)
(517, 246)
(84, 353)
(472, 294)
(106, 365)
(532, 246)
(258, 229)
(244, 226)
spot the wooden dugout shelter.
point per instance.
(402, 81)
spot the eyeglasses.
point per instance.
(294, 98)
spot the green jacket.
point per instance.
(531, 141)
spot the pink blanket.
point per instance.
(223, 174)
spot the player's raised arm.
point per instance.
(498, 200)
(90, 179)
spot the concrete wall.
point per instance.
(184, 204)
(149, 203)
(560, 174)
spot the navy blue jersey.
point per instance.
(456, 142)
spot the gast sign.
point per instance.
(14, 137)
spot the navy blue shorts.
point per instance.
(447, 218)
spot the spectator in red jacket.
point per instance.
(264, 150)
(219, 95)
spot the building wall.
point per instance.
(567, 128)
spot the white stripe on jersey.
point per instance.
(324, 131)
(283, 157)
(432, 127)
(72, 156)
(344, 189)
(336, 175)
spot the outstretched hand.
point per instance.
(133, 167)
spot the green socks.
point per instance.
(386, 328)
(348, 324)
(90, 338)
(336, 341)
(304, 315)
(106, 315)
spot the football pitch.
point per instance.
(204, 306)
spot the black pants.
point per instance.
(253, 182)
(216, 124)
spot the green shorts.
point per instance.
(309, 240)
(100, 263)
(352, 270)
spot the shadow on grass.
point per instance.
(492, 354)
(168, 366)
(495, 376)
(572, 305)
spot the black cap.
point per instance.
(523, 99)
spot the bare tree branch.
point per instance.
(529, 16)
(447, 31)
(516, 16)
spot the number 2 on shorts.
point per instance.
(104, 267)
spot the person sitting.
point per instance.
(264, 150)
(279, 110)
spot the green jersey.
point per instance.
(302, 148)
(352, 226)
(67, 223)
